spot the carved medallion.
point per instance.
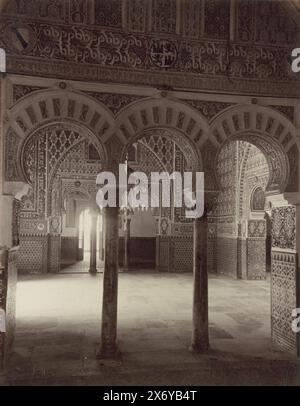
(40, 226)
(163, 53)
(20, 38)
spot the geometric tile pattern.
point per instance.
(284, 299)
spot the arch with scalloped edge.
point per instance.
(269, 131)
(164, 113)
(55, 106)
(42, 107)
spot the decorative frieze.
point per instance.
(115, 102)
(217, 19)
(108, 13)
(79, 11)
(192, 19)
(164, 16)
(264, 21)
(93, 48)
(209, 109)
(137, 15)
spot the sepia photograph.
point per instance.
(149, 196)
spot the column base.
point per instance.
(93, 271)
(199, 348)
(111, 353)
(125, 268)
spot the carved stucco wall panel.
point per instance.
(253, 174)
(284, 275)
(241, 167)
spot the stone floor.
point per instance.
(58, 327)
(69, 266)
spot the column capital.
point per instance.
(210, 201)
(16, 189)
(94, 213)
(111, 210)
(284, 199)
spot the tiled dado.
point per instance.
(285, 298)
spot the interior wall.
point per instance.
(254, 176)
(165, 232)
(43, 216)
(225, 213)
(237, 232)
(284, 277)
(143, 224)
(66, 230)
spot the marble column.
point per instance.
(108, 348)
(6, 220)
(200, 335)
(126, 241)
(93, 253)
(103, 238)
(100, 242)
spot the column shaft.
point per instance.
(200, 335)
(126, 242)
(93, 253)
(110, 285)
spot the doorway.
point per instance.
(84, 234)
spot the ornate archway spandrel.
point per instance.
(114, 148)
